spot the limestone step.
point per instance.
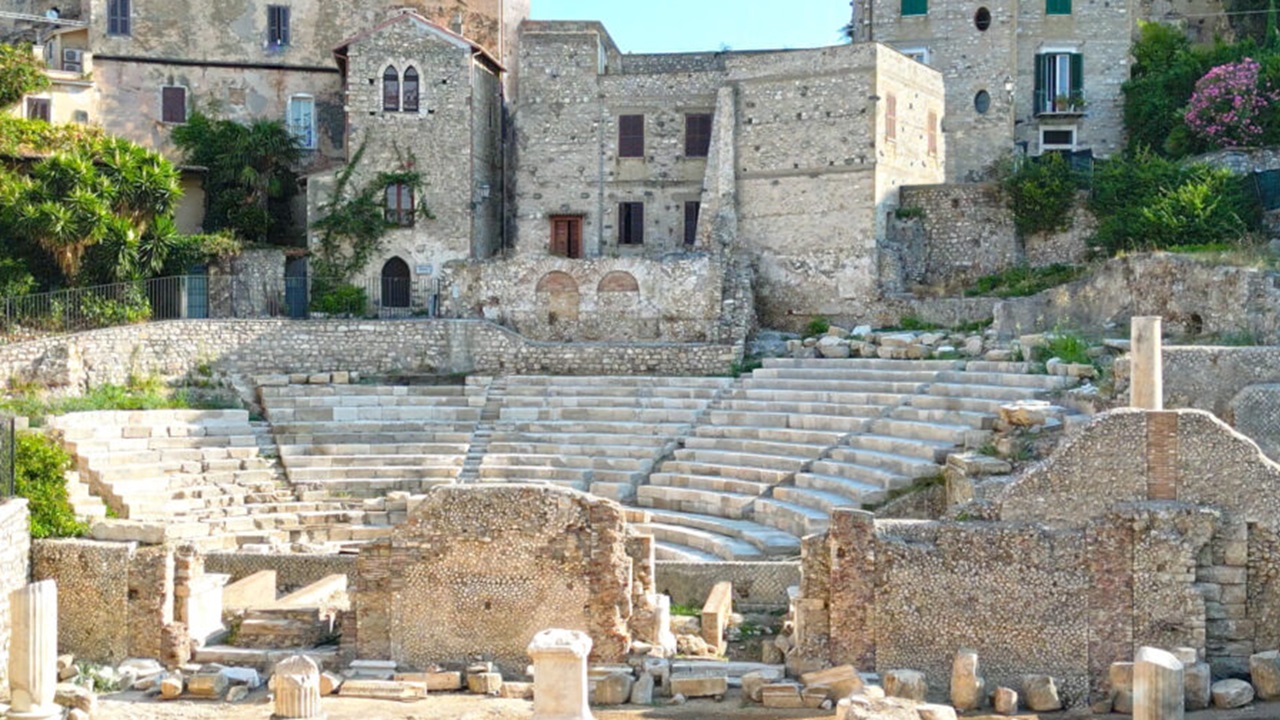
(602, 391)
(854, 491)
(378, 487)
(622, 492)
(677, 542)
(820, 374)
(785, 463)
(615, 440)
(287, 392)
(639, 452)
(912, 466)
(863, 363)
(365, 401)
(814, 498)
(907, 429)
(772, 542)
(542, 401)
(981, 366)
(962, 404)
(934, 451)
(375, 414)
(873, 389)
(598, 414)
(1022, 380)
(723, 469)
(329, 474)
(630, 427)
(753, 446)
(988, 392)
(710, 482)
(695, 500)
(601, 461)
(523, 473)
(298, 462)
(865, 475)
(979, 421)
(790, 420)
(798, 520)
(515, 381)
(583, 485)
(819, 394)
(772, 434)
(102, 447)
(805, 408)
(382, 449)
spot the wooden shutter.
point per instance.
(566, 236)
(278, 24)
(39, 109)
(915, 7)
(630, 136)
(692, 209)
(1058, 7)
(118, 17)
(391, 89)
(697, 134)
(410, 90)
(1077, 78)
(1041, 103)
(173, 104)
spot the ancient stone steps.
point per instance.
(855, 492)
(770, 541)
(863, 364)
(800, 421)
(752, 445)
(677, 542)
(789, 516)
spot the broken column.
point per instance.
(297, 689)
(1157, 686)
(1146, 369)
(966, 684)
(33, 652)
(560, 689)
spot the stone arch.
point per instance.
(618, 281)
(558, 282)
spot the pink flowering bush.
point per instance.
(1228, 103)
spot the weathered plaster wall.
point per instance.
(175, 348)
(480, 570)
(1193, 297)
(15, 569)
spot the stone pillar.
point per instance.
(1158, 688)
(560, 675)
(33, 652)
(1146, 364)
(297, 689)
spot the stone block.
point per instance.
(1158, 686)
(1231, 693)
(1199, 685)
(172, 686)
(382, 689)
(1120, 677)
(715, 615)
(906, 684)
(781, 695)
(208, 685)
(642, 690)
(936, 712)
(330, 683)
(814, 697)
(612, 689)
(1040, 693)
(516, 690)
(966, 684)
(70, 695)
(705, 686)
(838, 682)
(1005, 701)
(236, 693)
(485, 683)
(753, 682)
(1264, 672)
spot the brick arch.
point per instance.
(618, 281)
(557, 282)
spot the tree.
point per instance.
(1228, 106)
(21, 73)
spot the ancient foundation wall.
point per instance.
(479, 570)
(15, 568)
(177, 347)
(1241, 385)
(293, 572)
(756, 585)
(114, 599)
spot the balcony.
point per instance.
(1064, 105)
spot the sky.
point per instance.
(651, 26)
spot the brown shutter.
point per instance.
(631, 136)
(697, 134)
(173, 104)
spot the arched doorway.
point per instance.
(395, 283)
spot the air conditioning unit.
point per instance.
(73, 60)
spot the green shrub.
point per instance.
(41, 466)
(1040, 192)
(105, 312)
(1068, 347)
(907, 213)
(817, 326)
(341, 299)
(913, 323)
(1024, 280)
(745, 366)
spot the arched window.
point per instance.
(410, 90)
(391, 89)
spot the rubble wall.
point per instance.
(175, 348)
(15, 568)
(756, 585)
(1241, 385)
(478, 571)
(293, 571)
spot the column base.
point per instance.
(321, 716)
(44, 713)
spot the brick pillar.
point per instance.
(1162, 456)
(852, 608)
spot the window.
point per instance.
(982, 102)
(915, 7)
(630, 223)
(399, 207)
(1059, 83)
(631, 136)
(302, 120)
(919, 54)
(982, 19)
(931, 131)
(39, 109)
(391, 89)
(118, 17)
(566, 236)
(890, 117)
(697, 134)
(692, 209)
(410, 90)
(1059, 138)
(277, 25)
(173, 104)
(1057, 7)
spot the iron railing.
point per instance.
(381, 297)
(8, 456)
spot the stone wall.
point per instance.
(249, 284)
(114, 599)
(756, 585)
(1241, 385)
(1193, 296)
(15, 569)
(293, 571)
(1242, 160)
(174, 348)
(479, 570)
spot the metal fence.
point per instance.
(8, 456)
(212, 296)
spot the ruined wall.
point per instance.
(15, 569)
(114, 599)
(248, 284)
(293, 571)
(175, 348)
(480, 570)
(675, 299)
(756, 585)
(1241, 385)
(1194, 297)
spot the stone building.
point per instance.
(1035, 77)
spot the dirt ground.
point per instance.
(134, 706)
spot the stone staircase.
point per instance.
(366, 440)
(799, 438)
(494, 395)
(599, 434)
